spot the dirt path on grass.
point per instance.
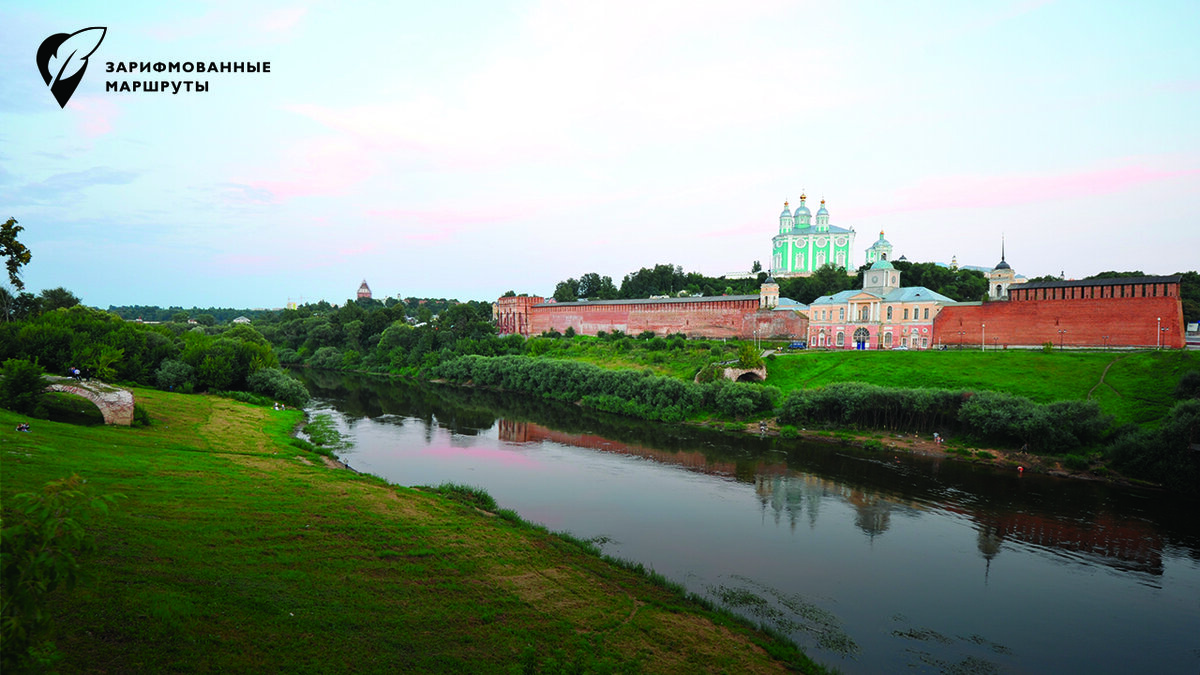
(1097, 385)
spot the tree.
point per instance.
(748, 356)
(14, 252)
(1189, 294)
(592, 285)
(567, 291)
(206, 319)
(21, 385)
(54, 298)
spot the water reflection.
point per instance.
(1013, 559)
(1124, 543)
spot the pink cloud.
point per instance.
(953, 192)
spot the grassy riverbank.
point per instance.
(1133, 387)
(236, 551)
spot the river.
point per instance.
(873, 563)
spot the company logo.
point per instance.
(62, 59)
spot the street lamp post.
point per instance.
(1158, 345)
(995, 344)
(1061, 333)
(1105, 342)
(960, 338)
(982, 337)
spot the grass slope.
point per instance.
(234, 551)
(1131, 386)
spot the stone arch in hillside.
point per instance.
(746, 374)
(115, 404)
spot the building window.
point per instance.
(924, 343)
(926, 312)
(906, 314)
(889, 314)
(887, 340)
(841, 339)
(841, 314)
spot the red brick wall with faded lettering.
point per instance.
(1036, 316)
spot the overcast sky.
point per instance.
(462, 149)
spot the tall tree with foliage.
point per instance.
(14, 252)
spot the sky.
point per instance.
(464, 149)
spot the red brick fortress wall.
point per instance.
(512, 314)
(699, 317)
(1129, 312)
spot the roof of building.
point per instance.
(1122, 281)
(882, 264)
(812, 229)
(915, 294)
(905, 294)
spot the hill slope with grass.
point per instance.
(234, 550)
(1131, 386)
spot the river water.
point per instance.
(873, 563)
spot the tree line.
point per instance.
(958, 283)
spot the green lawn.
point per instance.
(234, 551)
(1137, 387)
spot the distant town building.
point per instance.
(802, 246)
(241, 319)
(364, 291)
(880, 315)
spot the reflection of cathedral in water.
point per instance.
(792, 496)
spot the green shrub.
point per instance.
(43, 546)
(749, 356)
(1076, 462)
(141, 417)
(1189, 385)
(174, 375)
(278, 385)
(469, 495)
(710, 373)
(1165, 454)
(21, 385)
(789, 431)
(326, 358)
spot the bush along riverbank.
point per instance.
(235, 548)
(1077, 433)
